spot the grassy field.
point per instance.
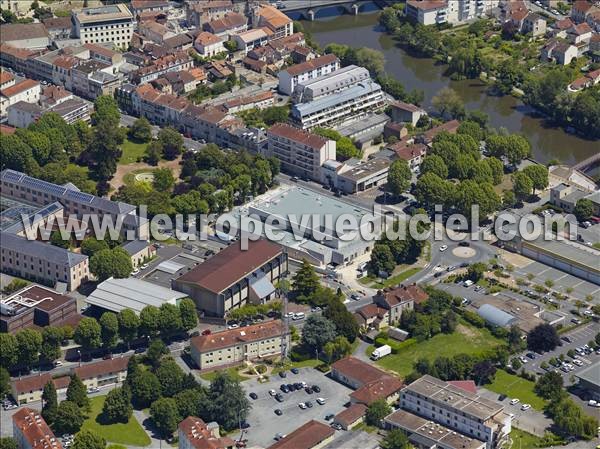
(132, 151)
(131, 434)
(310, 363)
(231, 371)
(391, 281)
(525, 440)
(466, 340)
(516, 387)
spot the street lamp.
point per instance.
(79, 352)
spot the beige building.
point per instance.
(31, 431)
(312, 435)
(235, 346)
(26, 90)
(208, 44)
(29, 389)
(109, 23)
(300, 152)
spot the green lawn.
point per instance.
(466, 340)
(132, 151)
(131, 434)
(310, 363)
(516, 387)
(391, 281)
(231, 371)
(525, 440)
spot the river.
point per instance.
(421, 73)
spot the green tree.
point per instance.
(483, 372)
(51, 340)
(395, 439)
(476, 271)
(436, 165)
(382, 260)
(8, 442)
(584, 209)
(69, 418)
(538, 175)
(4, 382)
(117, 405)
(228, 401)
(154, 152)
(399, 177)
(145, 389)
(193, 402)
(49, 402)
(337, 349)
(29, 343)
(522, 185)
(77, 393)
(543, 338)
(165, 415)
(111, 263)
(9, 350)
(305, 282)
(449, 104)
(172, 142)
(169, 319)
(343, 319)
(155, 351)
(549, 386)
(163, 179)
(109, 332)
(317, 331)
(86, 439)
(91, 246)
(88, 334)
(377, 411)
(189, 316)
(56, 239)
(430, 190)
(170, 376)
(141, 130)
(128, 323)
(149, 321)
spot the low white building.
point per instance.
(251, 39)
(208, 44)
(299, 73)
(26, 90)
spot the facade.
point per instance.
(300, 152)
(351, 416)
(334, 109)
(228, 26)
(434, 12)
(27, 91)
(234, 277)
(35, 306)
(455, 408)
(358, 176)
(33, 36)
(208, 44)
(312, 435)
(406, 113)
(534, 24)
(104, 372)
(26, 390)
(276, 21)
(412, 153)
(251, 39)
(560, 52)
(299, 73)
(196, 434)
(109, 23)
(328, 84)
(566, 196)
(235, 346)
(31, 431)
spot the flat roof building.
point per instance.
(330, 110)
(299, 73)
(330, 83)
(589, 379)
(108, 23)
(234, 346)
(234, 277)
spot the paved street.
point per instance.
(264, 423)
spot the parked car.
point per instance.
(316, 389)
(272, 392)
(514, 401)
(308, 390)
(253, 396)
(308, 404)
(295, 370)
(284, 388)
(321, 401)
(443, 248)
(329, 417)
(278, 412)
(282, 374)
(302, 405)
(525, 407)
(279, 397)
(279, 436)
(206, 332)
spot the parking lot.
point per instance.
(264, 423)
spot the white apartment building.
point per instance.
(208, 44)
(110, 23)
(26, 90)
(331, 83)
(458, 409)
(334, 109)
(300, 152)
(432, 12)
(235, 346)
(299, 73)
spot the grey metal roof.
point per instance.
(591, 374)
(41, 250)
(494, 315)
(350, 94)
(134, 246)
(262, 287)
(170, 267)
(131, 293)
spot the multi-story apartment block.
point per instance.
(235, 277)
(235, 346)
(339, 107)
(31, 431)
(276, 21)
(196, 434)
(26, 90)
(251, 39)
(455, 408)
(175, 62)
(203, 11)
(300, 152)
(330, 83)
(109, 23)
(432, 12)
(299, 73)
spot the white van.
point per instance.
(298, 316)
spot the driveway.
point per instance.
(264, 423)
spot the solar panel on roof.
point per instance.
(12, 176)
(44, 186)
(80, 196)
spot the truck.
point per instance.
(380, 352)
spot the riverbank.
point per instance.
(425, 74)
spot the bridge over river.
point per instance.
(309, 9)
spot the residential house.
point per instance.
(59, 28)
(53, 95)
(534, 24)
(406, 113)
(235, 346)
(580, 36)
(174, 62)
(560, 27)
(6, 80)
(588, 80)
(26, 390)
(140, 6)
(105, 372)
(200, 12)
(23, 114)
(109, 23)
(412, 153)
(260, 100)
(208, 44)
(30, 431)
(351, 416)
(228, 26)
(561, 52)
(27, 91)
(154, 31)
(251, 39)
(581, 9)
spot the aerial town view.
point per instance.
(299, 224)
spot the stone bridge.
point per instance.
(309, 9)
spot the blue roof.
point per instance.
(494, 315)
(262, 287)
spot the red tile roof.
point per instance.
(200, 437)
(403, 293)
(356, 369)
(582, 5)
(408, 152)
(563, 24)
(427, 4)
(35, 430)
(230, 21)
(451, 127)
(406, 106)
(273, 17)
(103, 367)
(582, 28)
(298, 135)
(5, 77)
(233, 337)
(5, 129)
(379, 389)
(37, 383)
(351, 414)
(311, 65)
(19, 87)
(230, 265)
(205, 38)
(306, 436)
